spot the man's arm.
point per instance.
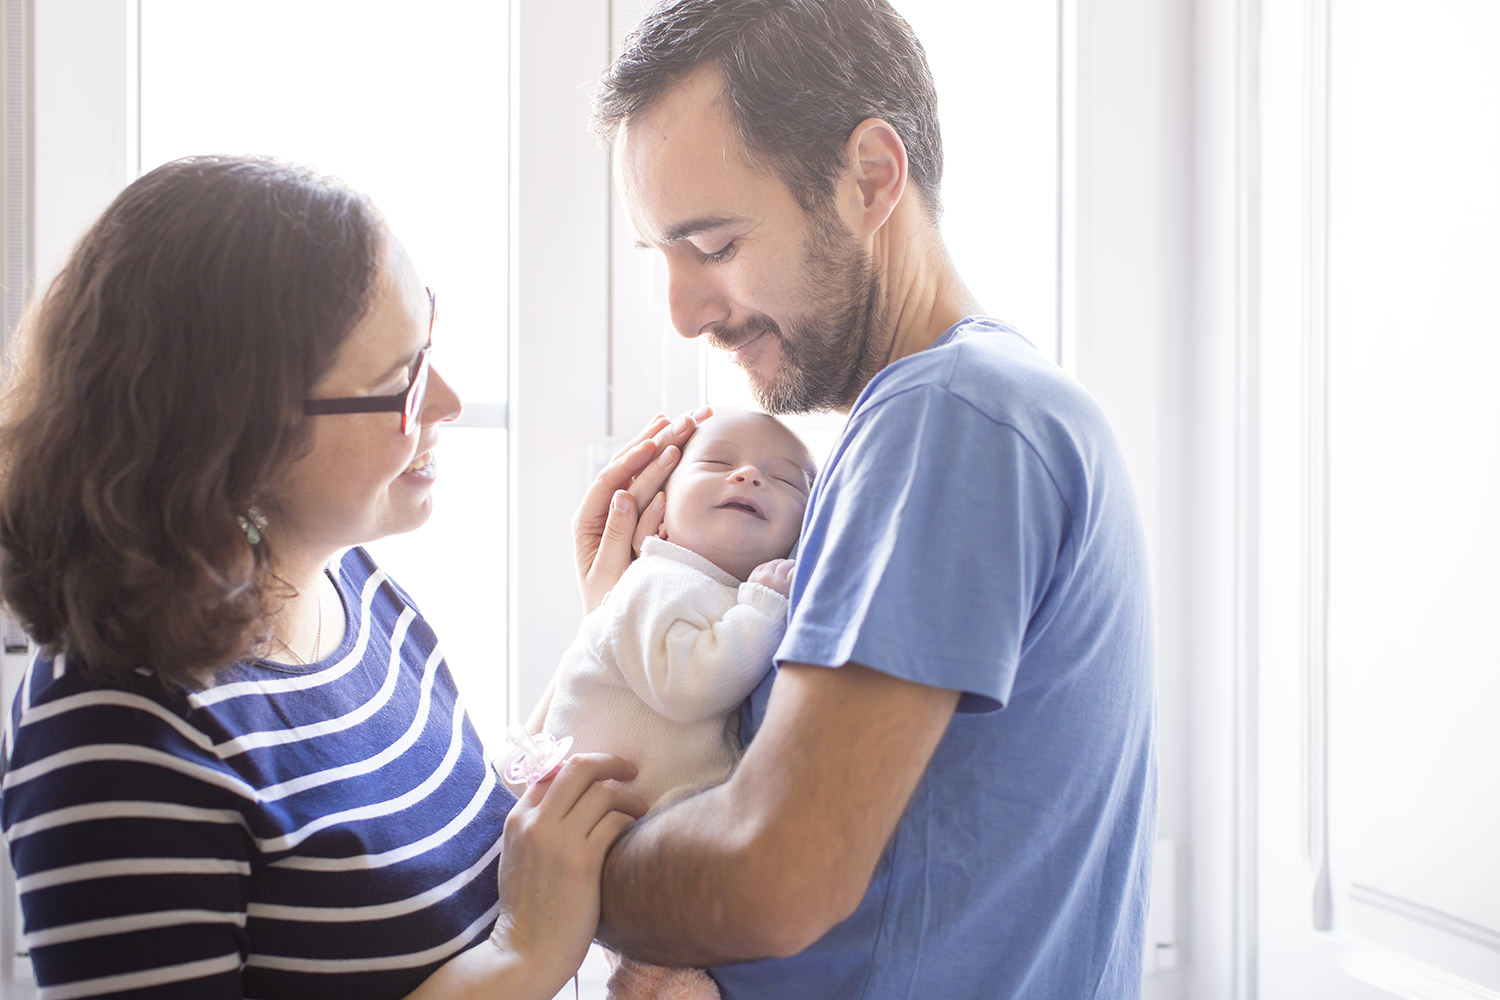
(769, 861)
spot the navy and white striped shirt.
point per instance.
(330, 830)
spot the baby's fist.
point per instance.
(776, 574)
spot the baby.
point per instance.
(656, 673)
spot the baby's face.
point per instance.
(738, 495)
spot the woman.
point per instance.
(238, 767)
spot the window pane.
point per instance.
(996, 71)
(409, 108)
(409, 105)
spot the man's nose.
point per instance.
(694, 299)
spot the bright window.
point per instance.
(411, 110)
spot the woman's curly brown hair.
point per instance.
(156, 391)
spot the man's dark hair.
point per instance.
(798, 76)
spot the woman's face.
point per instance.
(363, 478)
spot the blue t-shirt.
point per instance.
(330, 830)
(975, 530)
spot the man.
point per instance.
(949, 788)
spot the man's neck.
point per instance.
(923, 293)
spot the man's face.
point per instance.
(790, 295)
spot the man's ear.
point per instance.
(877, 173)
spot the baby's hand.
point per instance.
(776, 574)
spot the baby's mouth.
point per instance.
(734, 503)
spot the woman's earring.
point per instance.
(252, 523)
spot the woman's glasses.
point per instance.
(408, 402)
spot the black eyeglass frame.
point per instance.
(408, 402)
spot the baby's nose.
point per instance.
(746, 474)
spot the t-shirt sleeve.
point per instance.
(934, 535)
(131, 853)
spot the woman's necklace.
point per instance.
(317, 636)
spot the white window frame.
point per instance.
(1157, 141)
(560, 321)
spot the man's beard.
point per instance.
(828, 357)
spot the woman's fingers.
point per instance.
(599, 800)
(604, 526)
(650, 521)
(683, 427)
(550, 862)
(669, 441)
(593, 509)
(657, 423)
(608, 830)
(613, 554)
(557, 796)
(654, 476)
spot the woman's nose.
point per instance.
(442, 403)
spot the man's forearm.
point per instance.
(766, 863)
(672, 888)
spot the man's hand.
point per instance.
(625, 503)
(776, 574)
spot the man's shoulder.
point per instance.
(986, 368)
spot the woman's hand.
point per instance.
(625, 504)
(555, 840)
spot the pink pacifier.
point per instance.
(535, 757)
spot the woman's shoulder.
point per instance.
(54, 684)
(358, 576)
(61, 707)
